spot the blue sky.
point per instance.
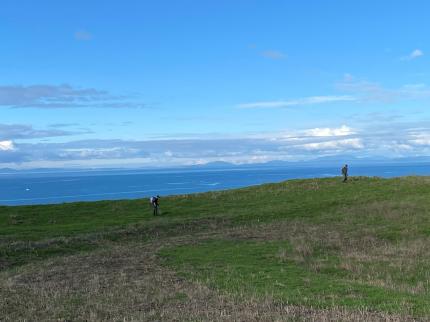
(163, 83)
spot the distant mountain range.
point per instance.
(323, 161)
(328, 161)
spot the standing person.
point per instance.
(154, 203)
(345, 172)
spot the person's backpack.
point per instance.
(154, 200)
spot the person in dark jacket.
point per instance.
(345, 173)
(155, 204)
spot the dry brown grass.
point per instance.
(386, 209)
(358, 254)
(128, 283)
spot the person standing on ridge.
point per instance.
(345, 173)
(154, 203)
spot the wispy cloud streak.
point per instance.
(23, 131)
(312, 100)
(61, 96)
(364, 90)
(273, 54)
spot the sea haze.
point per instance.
(26, 188)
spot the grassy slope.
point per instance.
(313, 243)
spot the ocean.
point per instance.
(57, 187)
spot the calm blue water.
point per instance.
(45, 188)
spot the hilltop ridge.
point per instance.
(299, 249)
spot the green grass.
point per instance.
(360, 245)
(256, 269)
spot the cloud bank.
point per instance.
(394, 140)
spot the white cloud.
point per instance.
(400, 147)
(341, 131)
(168, 153)
(414, 54)
(312, 100)
(99, 153)
(420, 139)
(335, 145)
(6, 146)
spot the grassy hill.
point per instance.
(301, 249)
